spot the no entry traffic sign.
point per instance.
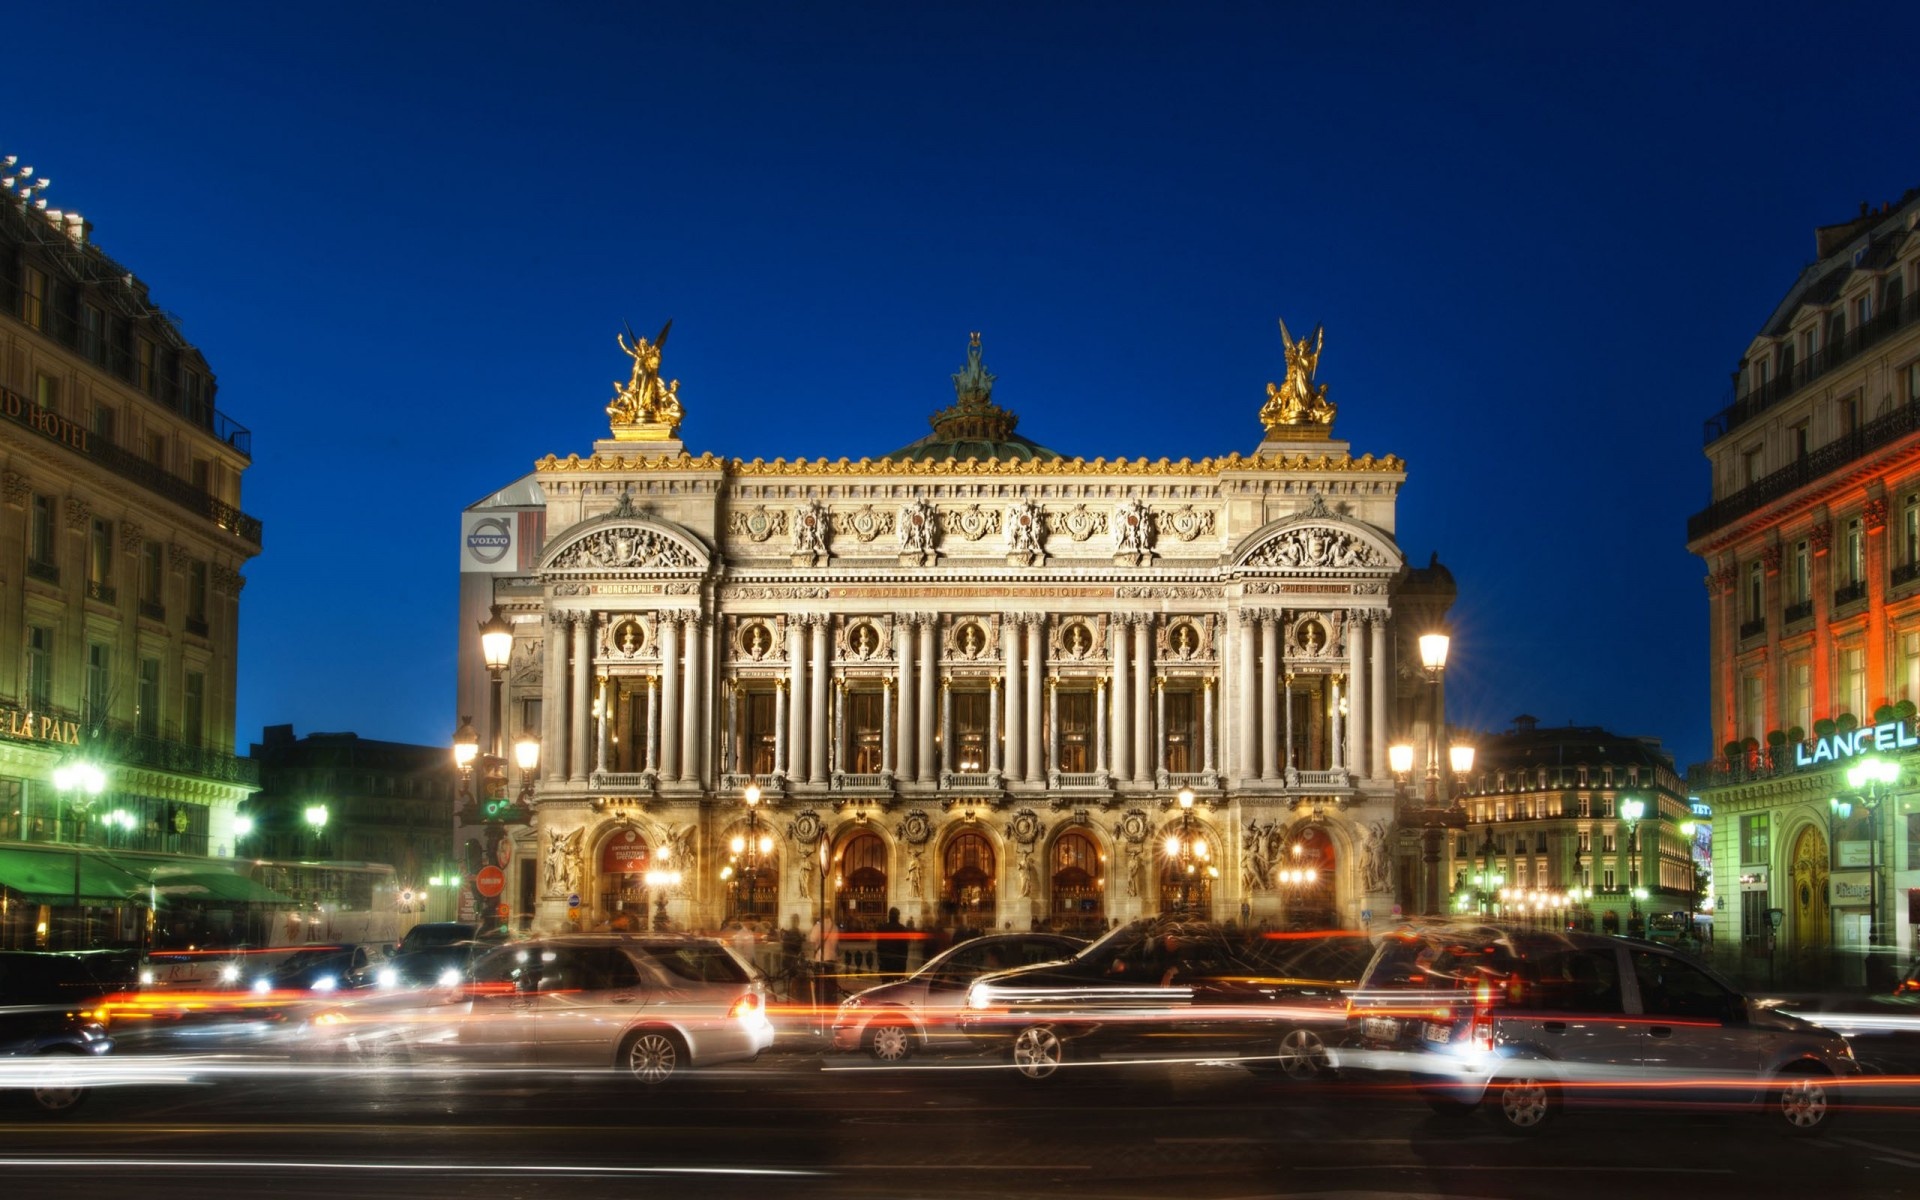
(490, 881)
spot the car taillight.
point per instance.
(1483, 1017)
(745, 1007)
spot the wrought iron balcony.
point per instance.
(1752, 629)
(1905, 573)
(1874, 435)
(1799, 612)
(1850, 593)
(1759, 399)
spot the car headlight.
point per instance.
(387, 977)
(230, 973)
(850, 1002)
(979, 996)
(263, 985)
(146, 977)
(450, 977)
(332, 1016)
(325, 983)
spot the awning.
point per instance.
(57, 876)
(190, 884)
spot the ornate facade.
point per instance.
(969, 679)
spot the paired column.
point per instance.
(1142, 683)
(1030, 745)
(924, 707)
(796, 716)
(817, 704)
(1122, 764)
(904, 696)
(1010, 648)
(694, 705)
(1362, 756)
(1245, 702)
(1270, 697)
(1378, 673)
(553, 711)
(669, 695)
(580, 710)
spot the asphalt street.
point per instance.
(797, 1124)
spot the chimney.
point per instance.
(76, 228)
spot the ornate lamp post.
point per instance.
(1631, 811)
(526, 752)
(81, 784)
(1188, 852)
(316, 816)
(1436, 813)
(749, 850)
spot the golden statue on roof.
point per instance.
(1296, 408)
(645, 409)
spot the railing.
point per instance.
(1758, 400)
(1822, 462)
(1905, 573)
(204, 762)
(43, 570)
(875, 782)
(1799, 612)
(197, 626)
(1849, 593)
(153, 609)
(1753, 628)
(103, 592)
(154, 478)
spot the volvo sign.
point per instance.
(1892, 735)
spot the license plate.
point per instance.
(1439, 1033)
(1381, 1029)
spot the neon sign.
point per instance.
(1892, 735)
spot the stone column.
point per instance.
(780, 729)
(1379, 694)
(732, 760)
(1053, 725)
(1010, 646)
(925, 713)
(553, 708)
(1337, 722)
(947, 759)
(1122, 764)
(796, 722)
(1100, 726)
(669, 722)
(1270, 697)
(1206, 726)
(1160, 725)
(1142, 683)
(903, 721)
(1247, 735)
(817, 766)
(1036, 660)
(993, 727)
(703, 713)
(601, 726)
(840, 725)
(653, 723)
(691, 723)
(579, 707)
(1360, 759)
(1286, 706)
(886, 725)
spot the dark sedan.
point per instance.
(1172, 988)
(50, 1010)
(895, 1020)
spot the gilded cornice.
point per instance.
(1391, 464)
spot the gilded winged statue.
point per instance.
(1296, 401)
(645, 400)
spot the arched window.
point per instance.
(1077, 885)
(1305, 876)
(860, 870)
(967, 887)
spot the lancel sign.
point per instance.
(1893, 735)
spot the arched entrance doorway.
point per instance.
(1077, 886)
(621, 899)
(1305, 879)
(860, 883)
(1187, 877)
(1807, 893)
(968, 893)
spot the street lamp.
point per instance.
(466, 747)
(660, 877)
(1867, 777)
(317, 821)
(81, 784)
(526, 752)
(1436, 814)
(1631, 811)
(749, 849)
(1189, 852)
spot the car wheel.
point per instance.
(653, 1056)
(56, 1099)
(889, 1041)
(1038, 1051)
(1303, 1055)
(1525, 1103)
(1805, 1099)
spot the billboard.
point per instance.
(490, 541)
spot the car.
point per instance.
(1172, 986)
(50, 1008)
(1909, 985)
(430, 934)
(892, 1021)
(1524, 1020)
(650, 1006)
(431, 966)
(325, 968)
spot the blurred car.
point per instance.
(446, 965)
(649, 1006)
(1531, 1019)
(1884, 1031)
(1172, 986)
(1910, 985)
(894, 1020)
(329, 968)
(432, 934)
(49, 1008)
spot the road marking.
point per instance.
(1435, 1166)
(1888, 1154)
(419, 1168)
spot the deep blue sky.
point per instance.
(405, 235)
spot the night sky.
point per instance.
(405, 235)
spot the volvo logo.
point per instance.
(489, 540)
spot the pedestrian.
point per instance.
(890, 954)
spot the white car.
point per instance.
(649, 1006)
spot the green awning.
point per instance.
(188, 884)
(59, 876)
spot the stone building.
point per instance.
(969, 679)
(121, 525)
(1812, 551)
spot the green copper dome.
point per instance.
(975, 427)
